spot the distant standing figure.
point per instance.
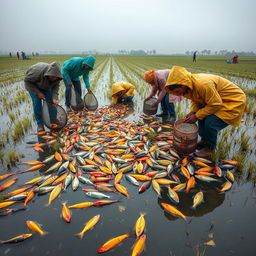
(71, 70)
(10, 54)
(18, 55)
(157, 79)
(42, 82)
(235, 59)
(122, 92)
(194, 56)
(23, 55)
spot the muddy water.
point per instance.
(226, 218)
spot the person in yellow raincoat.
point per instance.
(216, 103)
(122, 92)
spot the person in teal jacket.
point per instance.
(71, 70)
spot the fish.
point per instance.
(139, 245)
(34, 168)
(226, 186)
(105, 202)
(81, 205)
(156, 187)
(173, 210)
(140, 225)
(5, 204)
(173, 195)
(97, 195)
(33, 226)
(17, 239)
(113, 242)
(55, 193)
(198, 198)
(190, 183)
(5, 176)
(132, 180)
(66, 213)
(230, 176)
(89, 225)
(122, 190)
(8, 184)
(205, 178)
(144, 186)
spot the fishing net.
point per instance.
(54, 116)
(90, 101)
(76, 101)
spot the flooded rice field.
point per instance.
(120, 164)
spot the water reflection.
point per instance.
(212, 199)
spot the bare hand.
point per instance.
(41, 96)
(190, 118)
(55, 101)
(70, 84)
(147, 98)
(89, 90)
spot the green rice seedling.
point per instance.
(11, 158)
(1, 141)
(244, 142)
(18, 131)
(240, 157)
(12, 117)
(2, 156)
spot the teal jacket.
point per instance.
(74, 67)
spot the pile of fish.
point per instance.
(97, 152)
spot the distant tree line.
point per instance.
(137, 52)
(221, 53)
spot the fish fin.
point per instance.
(80, 235)
(44, 233)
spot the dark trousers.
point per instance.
(125, 100)
(37, 104)
(77, 87)
(168, 107)
(209, 128)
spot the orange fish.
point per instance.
(173, 210)
(8, 184)
(66, 213)
(112, 243)
(139, 245)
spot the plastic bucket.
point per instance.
(148, 109)
(185, 137)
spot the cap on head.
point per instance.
(149, 76)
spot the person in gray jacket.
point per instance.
(42, 82)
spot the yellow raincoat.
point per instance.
(124, 87)
(210, 94)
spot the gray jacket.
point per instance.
(37, 78)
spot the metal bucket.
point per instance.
(147, 109)
(185, 137)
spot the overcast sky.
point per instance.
(167, 26)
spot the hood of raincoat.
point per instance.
(117, 87)
(180, 76)
(90, 61)
(210, 95)
(54, 70)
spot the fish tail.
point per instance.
(43, 233)
(80, 235)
